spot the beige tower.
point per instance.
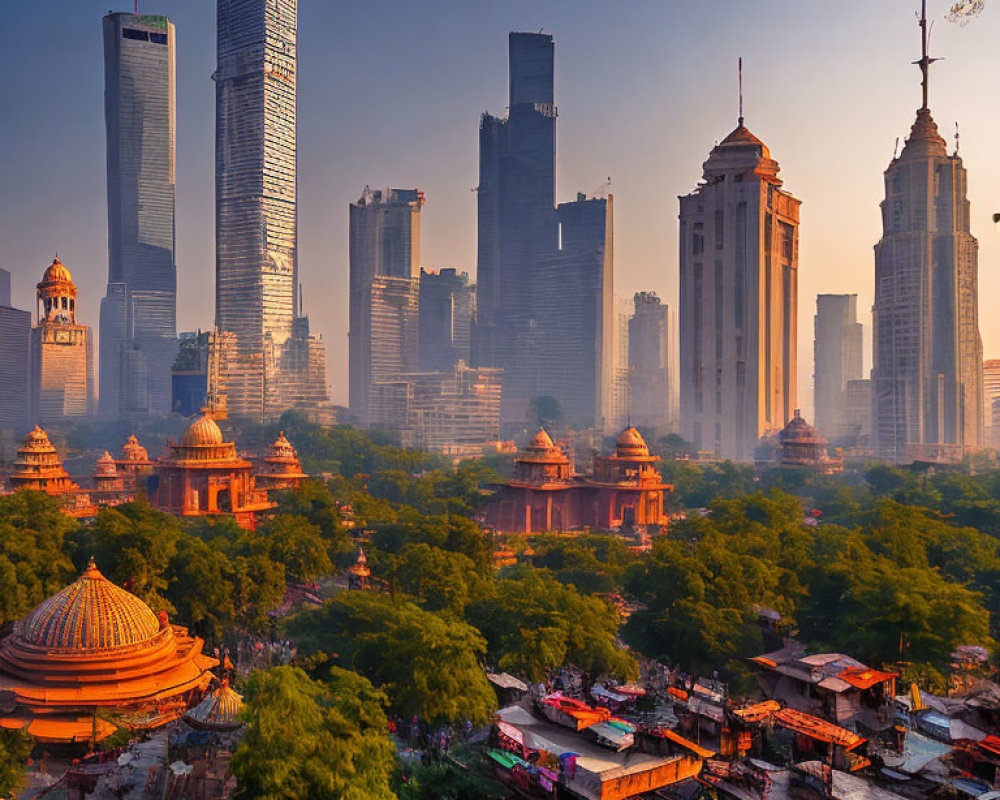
(738, 300)
(62, 361)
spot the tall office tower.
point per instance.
(447, 309)
(516, 217)
(859, 411)
(618, 416)
(574, 315)
(927, 374)
(652, 366)
(62, 361)
(991, 393)
(255, 193)
(138, 315)
(384, 295)
(15, 335)
(738, 300)
(837, 360)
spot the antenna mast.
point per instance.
(739, 79)
(925, 60)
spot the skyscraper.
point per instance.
(15, 334)
(447, 309)
(573, 322)
(255, 191)
(62, 361)
(138, 315)
(738, 300)
(384, 293)
(837, 360)
(652, 366)
(618, 415)
(927, 376)
(516, 216)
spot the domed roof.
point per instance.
(90, 614)
(219, 711)
(203, 431)
(37, 441)
(57, 273)
(630, 441)
(133, 451)
(740, 135)
(106, 465)
(542, 441)
(798, 430)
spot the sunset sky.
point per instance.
(390, 93)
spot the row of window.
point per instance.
(144, 36)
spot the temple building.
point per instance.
(62, 360)
(39, 467)
(801, 446)
(204, 475)
(359, 574)
(281, 468)
(90, 648)
(107, 479)
(219, 711)
(134, 463)
(622, 489)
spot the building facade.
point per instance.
(447, 310)
(991, 410)
(256, 213)
(859, 411)
(622, 489)
(652, 366)
(15, 339)
(837, 354)
(573, 355)
(62, 361)
(516, 217)
(619, 413)
(927, 375)
(738, 300)
(139, 312)
(384, 298)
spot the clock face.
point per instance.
(62, 337)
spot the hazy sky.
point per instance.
(390, 93)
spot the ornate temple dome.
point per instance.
(630, 443)
(94, 645)
(203, 431)
(741, 136)
(90, 614)
(219, 711)
(281, 468)
(106, 465)
(541, 441)
(38, 466)
(56, 273)
(133, 451)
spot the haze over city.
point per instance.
(391, 93)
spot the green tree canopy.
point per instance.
(311, 740)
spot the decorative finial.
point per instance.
(925, 60)
(739, 79)
(956, 137)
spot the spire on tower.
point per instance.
(739, 80)
(925, 60)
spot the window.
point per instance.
(158, 38)
(720, 229)
(698, 239)
(132, 33)
(787, 242)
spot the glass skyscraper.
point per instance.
(255, 190)
(138, 314)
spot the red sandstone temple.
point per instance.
(623, 489)
(800, 446)
(204, 475)
(38, 466)
(281, 468)
(93, 658)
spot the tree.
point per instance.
(297, 543)
(15, 747)
(438, 579)
(310, 740)
(427, 664)
(446, 780)
(533, 624)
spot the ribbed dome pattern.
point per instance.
(90, 614)
(203, 431)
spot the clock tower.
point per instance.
(62, 368)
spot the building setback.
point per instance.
(384, 297)
(652, 366)
(837, 360)
(139, 312)
(516, 218)
(62, 362)
(927, 376)
(15, 336)
(573, 356)
(447, 311)
(738, 300)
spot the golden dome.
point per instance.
(90, 614)
(57, 273)
(203, 431)
(542, 441)
(630, 441)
